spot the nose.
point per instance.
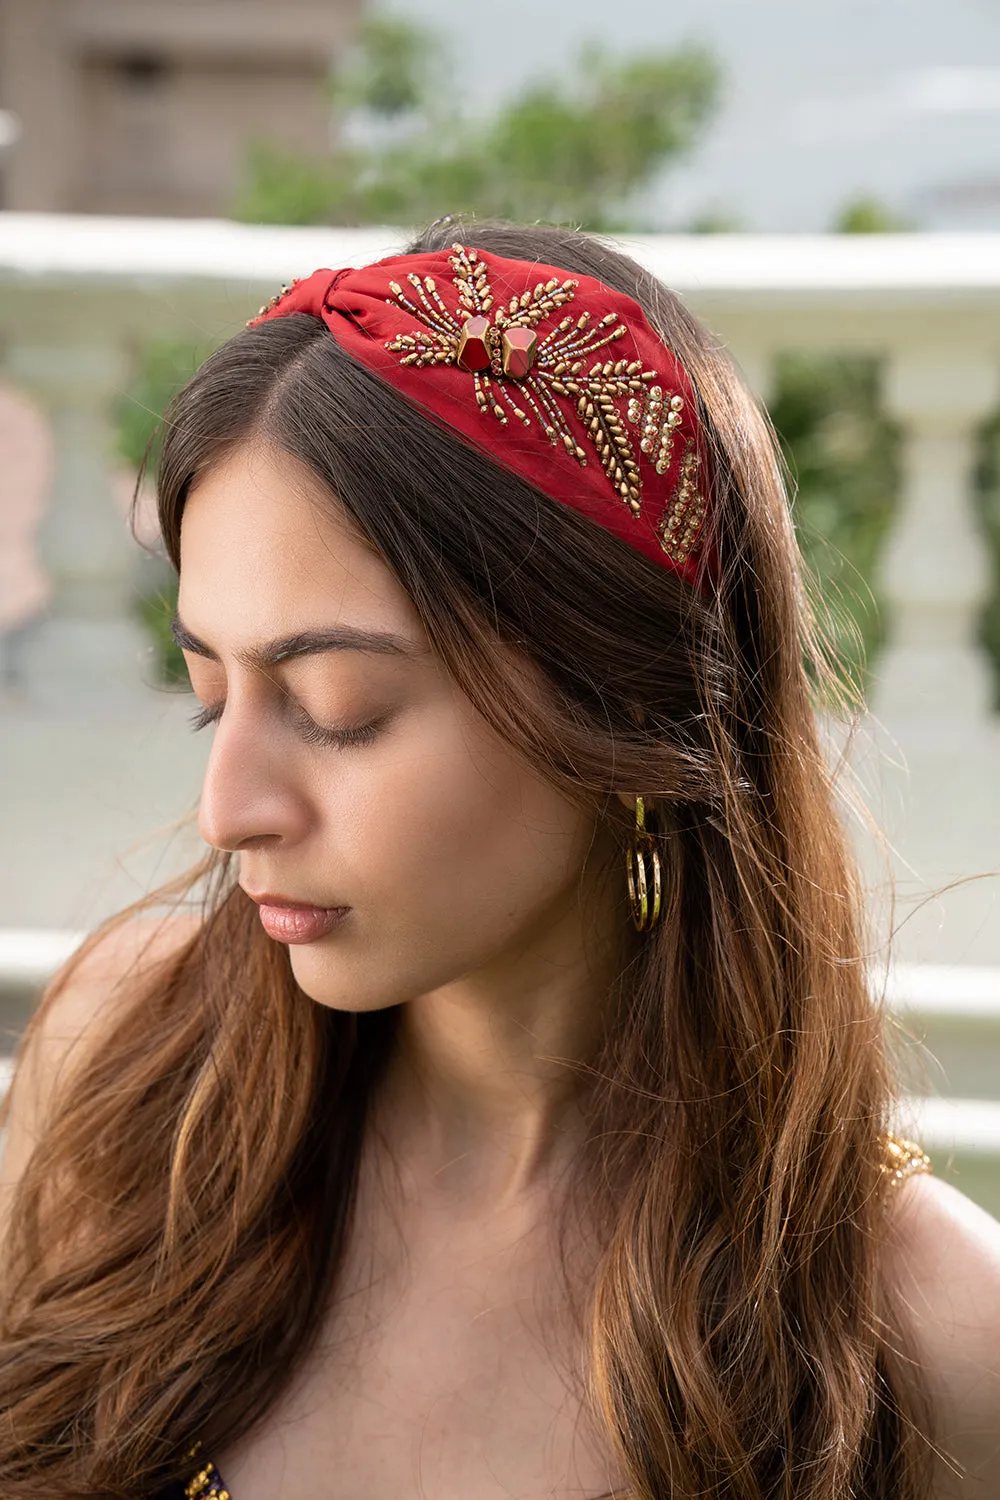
(249, 795)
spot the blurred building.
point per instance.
(147, 106)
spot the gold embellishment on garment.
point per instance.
(207, 1483)
(496, 343)
(903, 1158)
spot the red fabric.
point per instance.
(365, 314)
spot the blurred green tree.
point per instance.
(164, 366)
(841, 452)
(581, 151)
(715, 221)
(395, 69)
(867, 215)
(842, 457)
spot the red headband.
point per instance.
(561, 380)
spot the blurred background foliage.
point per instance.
(581, 151)
(840, 451)
(164, 366)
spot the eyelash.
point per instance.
(313, 734)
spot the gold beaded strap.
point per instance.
(206, 1483)
(903, 1158)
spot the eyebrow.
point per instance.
(302, 643)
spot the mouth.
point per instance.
(290, 921)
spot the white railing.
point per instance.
(29, 957)
(937, 1001)
(953, 1013)
(78, 296)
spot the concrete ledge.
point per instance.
(947, 1000)
(86, 246)
(967, 1126)
(945, 990)
(30, 956)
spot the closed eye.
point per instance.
(309, 730)
(204, 717)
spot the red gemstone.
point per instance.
(473, 347)
(519, 346)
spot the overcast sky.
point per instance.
(824, 100)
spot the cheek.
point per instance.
(459, 835)
(450, 852)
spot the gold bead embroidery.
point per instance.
(656, 438)
(903, 1159)
(267, 306)
(530, 377)
(682, 521)
(554, 365)
(206, 1484)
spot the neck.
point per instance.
(484, 1093)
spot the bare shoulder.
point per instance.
(80, 1005)
(943, 1260)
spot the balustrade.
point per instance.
(935, 576)
(78, 297)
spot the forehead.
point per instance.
(266, 548)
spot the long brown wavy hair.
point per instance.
(178, 1230)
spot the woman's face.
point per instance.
(356, 776)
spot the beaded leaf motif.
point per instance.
(681, 524)
(526, 386)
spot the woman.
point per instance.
(439, 1148)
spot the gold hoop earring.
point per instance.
(645, 911)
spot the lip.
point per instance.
(290, 921)
(289, 903)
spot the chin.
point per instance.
(325, 980)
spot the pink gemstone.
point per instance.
(473, 347)
(518, 351)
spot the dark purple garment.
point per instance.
(214, 1485)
